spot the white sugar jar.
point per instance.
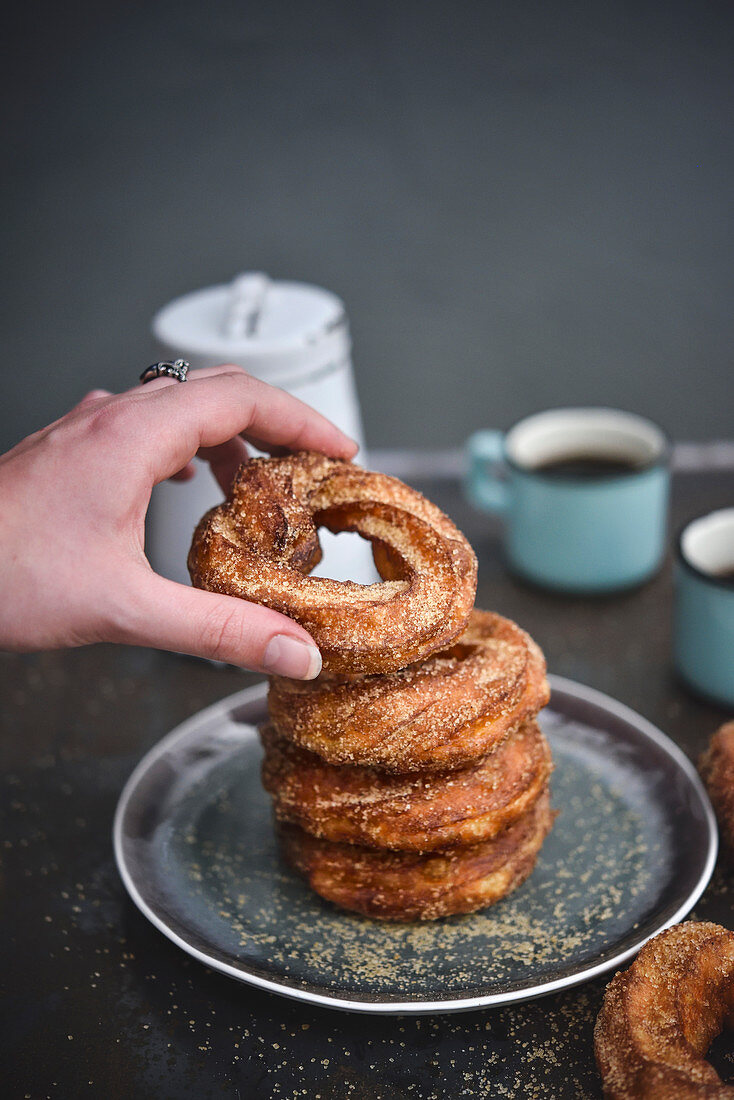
(292, 335)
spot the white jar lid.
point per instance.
(275, 329)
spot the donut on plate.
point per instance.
(406, 886)
(420, 812)
(446, 712)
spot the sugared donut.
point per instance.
(717, 771)
(659, 1017)
(420, 812)
(261, 544)
(447, 712)
(405, 886)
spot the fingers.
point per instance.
(90, 398)
(171, 616)
(224, 463)
(225, 460)
(165, 381)
(214, 407)
(186, 474)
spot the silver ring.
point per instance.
(176, 368)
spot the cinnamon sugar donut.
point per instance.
(659, 1017)
(414, 812)
(405, 886)
(262, 542)
(717, 771)
(444, 713)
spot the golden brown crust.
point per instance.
(263, 541)
(421, 812)
(660, 1016)
(717, 771)
(444, 713)
(405, 886)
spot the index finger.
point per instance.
(207, 412)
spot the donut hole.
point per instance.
(720, 1054)
(349, 556)
(458, 652)
(346, 556)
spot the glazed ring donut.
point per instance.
(447, 712)
(717, 771)
(659, 1017)
(414, 812)
(405, 886)
(262, 542)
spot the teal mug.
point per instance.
(704, 606)
(583, 493)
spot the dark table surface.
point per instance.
(98, 1003)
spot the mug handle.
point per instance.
(484, 487)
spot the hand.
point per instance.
(74, 497)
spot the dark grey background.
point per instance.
(522, 204)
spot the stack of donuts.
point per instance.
(410, 779)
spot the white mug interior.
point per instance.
(602, 433)
(708, 543)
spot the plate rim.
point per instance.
(413, 1008)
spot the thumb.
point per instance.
(167, 615)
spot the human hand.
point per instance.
(74, 497)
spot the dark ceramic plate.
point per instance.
(630, 853)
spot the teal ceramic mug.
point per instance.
(583, 493)
(704, 605)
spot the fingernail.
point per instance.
(286, 656)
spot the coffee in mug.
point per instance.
(583, 493)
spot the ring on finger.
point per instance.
(174, 368)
